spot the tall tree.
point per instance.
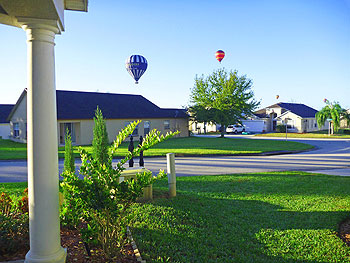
(100, 142)
(332, 111)
(222, 98)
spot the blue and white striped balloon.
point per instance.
(136, 65)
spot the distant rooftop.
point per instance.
(297, 108)
(82, 105)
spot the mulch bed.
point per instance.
(76, 251)
(344, 231)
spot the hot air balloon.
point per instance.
(325, 100)
(136, 65)
(277, 97)
(220, 55)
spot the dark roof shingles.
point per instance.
(5, 110)
(82, 105)
(299, 109)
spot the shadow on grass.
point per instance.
(225, 222)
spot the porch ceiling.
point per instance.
(10, 10)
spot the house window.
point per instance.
(16, 130)
(146, 127)
(166, 125)
(290, 124)
(136, 131)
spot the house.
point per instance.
(5, 110)
(298, 117)
(344, 124)
(76, 110)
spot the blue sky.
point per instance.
(297, 49)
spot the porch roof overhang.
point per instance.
(13, 10)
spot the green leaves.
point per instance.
(68, 165)
(100, 142)
(99, 204)
(331, 111)
(223, 97)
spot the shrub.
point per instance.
(100, 142)
(99, 203)
(281, 128)
(346, 131)
(68, 153)
(14, 227)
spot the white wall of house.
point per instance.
(200, 128)
(344, 124)
(300, 125)
(5, 130)
(19, 121)
(254, 125)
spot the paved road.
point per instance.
(330, 157)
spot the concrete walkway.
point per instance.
(339, 172)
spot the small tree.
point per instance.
(100, 142)
(222, 98)
(68, 165)
(99, 202)
(331, 111)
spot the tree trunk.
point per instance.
(222, 131)
(332, 128)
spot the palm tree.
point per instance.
(331, 111)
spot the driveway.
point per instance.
(330, 157)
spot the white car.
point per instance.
(235, 129)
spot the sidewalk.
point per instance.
(339, 172)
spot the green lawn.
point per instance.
(276, 217)
(180, 146)
(13, 188)
(266, 217)
(10, 150)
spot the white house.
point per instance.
(298, 117)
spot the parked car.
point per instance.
(235, 129)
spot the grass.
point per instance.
(317, 134)
(272, 217)
(265, 217)
(180, 146)
(13, 188)
(10, 150)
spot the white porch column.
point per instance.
(44, 225)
